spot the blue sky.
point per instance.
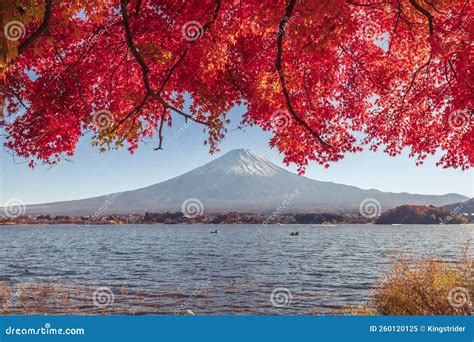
(91, 173)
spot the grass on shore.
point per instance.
(426, 287)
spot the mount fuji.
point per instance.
(240, 180)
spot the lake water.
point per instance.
(162, 268)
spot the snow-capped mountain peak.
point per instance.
(240, 162)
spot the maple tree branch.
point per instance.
(179, 11)
(40, 30)
(89, 45)
(399, 13)
(452, 68)
(112, 74)
(361, 66)
(401, 17)
(434, 7)
(160, 130)
(131, 45)
(10, 91)
(137, 109)
(446, 76)
(412, 83)
(179, 111)
(84, 54)
(214, 16)
(278, 65)
(425, 12)
(137, 7)
(172, 69)
(234, 82)
(74, 76)
(144, 67)
(183, 55)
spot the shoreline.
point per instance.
(405, 214)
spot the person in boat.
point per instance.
(215, 232)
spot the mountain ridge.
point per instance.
(239, 180)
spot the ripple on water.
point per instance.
(159, 269)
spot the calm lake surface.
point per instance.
(170, 267)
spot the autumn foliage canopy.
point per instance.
(326, 77)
